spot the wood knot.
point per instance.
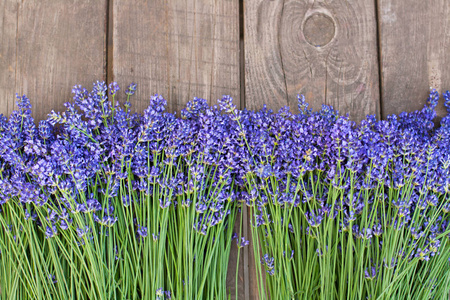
(319, 29)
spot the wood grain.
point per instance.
(232, 263)
(179, 49)
(47, 47)
(326, 50)
(414, 51)
(8, 55)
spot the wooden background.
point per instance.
(361, 56)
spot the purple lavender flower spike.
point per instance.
(370, 274)
(131, 89)
(142, 231)
(51, 231)
(242, 243)
(113, 88)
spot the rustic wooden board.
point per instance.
(326, 50)
(8, 61)
(179, 49)
(47, 47)
(415, 43)
(241, 274)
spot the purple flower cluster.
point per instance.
(242, 242)
(99, 143)
(370, 180)
(403, 153)
(161, 294)
(79, 173)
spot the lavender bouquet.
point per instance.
(102, 203)
(348, 211)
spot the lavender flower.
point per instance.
(242, 243)
(370, 274)
(51, 231)
(376, 190)
(131, 89)
(113, 88)
(142, 231)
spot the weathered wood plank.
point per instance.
(326, 50)
(8, 57)
(179, 49)
(232, 263)
(415, 43)
(50, 46)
